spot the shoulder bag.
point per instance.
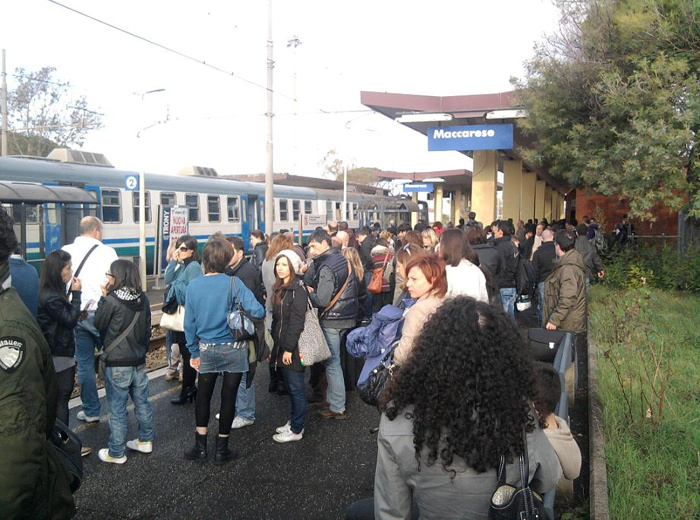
(379, 378)
(312, 343)
(239, 322)
(511, 503)
(375, 284)
(339, 293)
(175, 319)
(68, 445)
(105, 352)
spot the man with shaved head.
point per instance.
(343, 238)
(542, 264)
(91, 261)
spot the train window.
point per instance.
(168, 199)
(295, 210)
(233, 209)
(111, 206)
(355, 210)
(307, 207)
(284, 210)
(192, 202)
(329, 210)
(135, 204)
(32, 213)
(214, 208)
(338, 215)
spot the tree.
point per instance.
(334, 168)
(44, 113)
(614, 100)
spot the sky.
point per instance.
(216, 118)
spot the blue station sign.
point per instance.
(418, 187)
(473, 137)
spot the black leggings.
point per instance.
(205, 390)
(189, 374)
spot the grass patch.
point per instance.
(653, 465)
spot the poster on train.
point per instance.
(178, 222)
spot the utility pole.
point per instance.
(269, 192)
(294, 42)
(3, 102)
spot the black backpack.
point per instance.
(525, 277)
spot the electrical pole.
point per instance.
(4, 106)
(269, 192)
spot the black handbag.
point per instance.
(511, 503)
(169, 304)
(68, 446)
(240, 323)
(371, 389)
(544, 343)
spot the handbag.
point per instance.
(312, 343)
(239, 322)
(377, 282)
(379, 377)
(67, 445)
(169, 304)
(174, 321)
(544, 344)
(511, 503)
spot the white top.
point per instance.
(93, 274)
(466, 280)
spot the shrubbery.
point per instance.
(659, 267)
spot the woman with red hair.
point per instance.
(427, 284)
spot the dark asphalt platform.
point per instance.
(315, 478)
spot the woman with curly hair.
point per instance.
(461, 402)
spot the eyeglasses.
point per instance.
(184, 249)
(109, 275)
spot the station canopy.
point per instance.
(30, 193)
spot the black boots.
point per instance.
(223, 454)
(199, 451)
(186, 394)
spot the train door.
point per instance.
(245, 221)
(261, 217)
(51, 225)
(253, 212)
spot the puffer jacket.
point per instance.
(114, 314)
(565, 294)
(58, 318)
(288, 317)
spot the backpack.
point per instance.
(525, 277)
(599, 241)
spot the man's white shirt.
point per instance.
(93, 274)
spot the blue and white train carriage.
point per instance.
(215, 204)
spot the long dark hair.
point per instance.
(126, 276)
(454, 246)
(51, 279)
(279, 284)
(469, 380)
(190, 243)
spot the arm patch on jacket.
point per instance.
(11, 353)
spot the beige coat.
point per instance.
(416, 316)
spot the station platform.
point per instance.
(315, 478)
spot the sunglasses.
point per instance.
(183, 249)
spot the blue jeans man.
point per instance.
(508, 297)
(120, 383)
(245, 400)
(540, 303)
(334, 371)
(87, 338)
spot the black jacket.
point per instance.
(488, 257)
(58, 318)
(366, 253)
(288, 317)
(113, 316)
(251, 277)
(258, 256)
(543, 260)
(508, 253)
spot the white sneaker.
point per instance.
(104, 456)
(285, 429)
(288, 436)
(87, 418)
(240, 422)
(137, 445)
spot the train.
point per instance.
(213, 203)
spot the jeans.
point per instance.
(508, 297)
(540, 303)
(245, 400)
(65, 379)
(334, 371)
(369, 299)
(294, 381)
(120, 383)
(86, 340)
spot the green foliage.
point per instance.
(614, 100)
(653, 466)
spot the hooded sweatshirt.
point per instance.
(115, 313)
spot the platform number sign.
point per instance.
(131, 182)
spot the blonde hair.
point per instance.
(431, 235)
(354, 257)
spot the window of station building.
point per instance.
(111, 206)
(214, 208)
(329, 210)
(135, 204)
(192, 202)
(295, 210)
(284, 210)
(307, 207)
(168, 199)
(233, 209)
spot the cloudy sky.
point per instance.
(216, 117)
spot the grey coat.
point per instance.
(439, 494)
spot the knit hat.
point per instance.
(293, 258)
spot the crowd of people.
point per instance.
(464, 393)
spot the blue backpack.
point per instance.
(373, 341)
